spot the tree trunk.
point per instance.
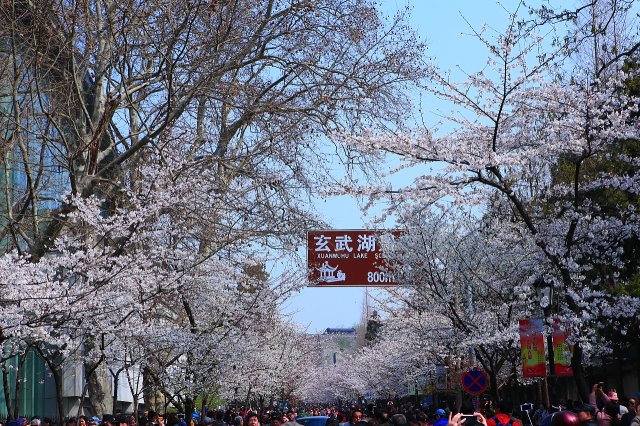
(149, 390)
(50, 359)
(97, 384)
(188, 409)
(493, 383)
(116, 381)
(57, 379)
(18, 388)
(7, 395)
(579, 374)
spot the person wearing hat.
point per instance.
(597, 392)
(610, 415)
(441, 418)
(586, 413)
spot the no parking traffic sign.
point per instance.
(475, 382)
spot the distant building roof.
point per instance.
(340, 331)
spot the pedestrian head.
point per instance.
(252, 419)
(585, 412)
(612, 408)
(276, 420)
(398, 420)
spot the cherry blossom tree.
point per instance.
(156, 156)
(515, 123)
(466, 288)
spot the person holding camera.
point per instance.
(610, 415)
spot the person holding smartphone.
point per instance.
(469, 415)
(462, 419)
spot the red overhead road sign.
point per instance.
(347, 258)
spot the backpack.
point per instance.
(511, 421)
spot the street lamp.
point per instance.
(544, 290)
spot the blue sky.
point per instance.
(442, 26)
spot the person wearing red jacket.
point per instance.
(503, 416)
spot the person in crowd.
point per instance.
(597, 398)
(237, 421)
(632, 406)
(540, 414)
(219, 421)
(342, 418)
(291, 419)
(332, 420)
(265, 419)
(276, 420)
(586, 414)
(398, 420)
(253, 419)
(152, 418)
(110, 419)
(503, 415)
(356, 416)
(440, 417)
(382, 415)
(469, 414)
(172, 420)
(460, 419)
(636, 419)
(610, 416)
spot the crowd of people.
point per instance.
(602, 409)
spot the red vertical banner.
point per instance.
(532, 348)
(562, 351)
